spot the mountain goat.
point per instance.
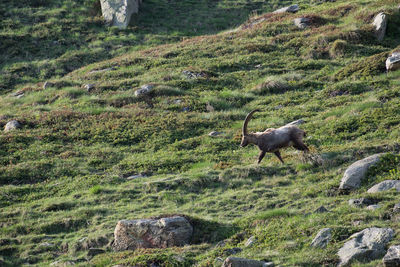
(271, 140)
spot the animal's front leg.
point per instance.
(278, 154)
(261, 156)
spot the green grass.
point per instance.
(63, 175)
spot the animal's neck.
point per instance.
(252, 138)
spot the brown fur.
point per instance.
(272, 140)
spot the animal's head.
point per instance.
(245, 135)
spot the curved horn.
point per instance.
(246, 121)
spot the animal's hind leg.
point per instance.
(300, 146)
(278, 154)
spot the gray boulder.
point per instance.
(380, 24)
(12, 125)
(290, 9)
(149, 233)
(357, 171)
(364, 246)
(396, 208)
(373, 207)
(301, 23)
(144, 90)
(392, 257)
(385, 185)
(241, 262)
(393, 62)
(322, 239)
(118, 12)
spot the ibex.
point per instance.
(271, 140)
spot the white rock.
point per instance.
(392, 257)
(144, 90)
(250, 242)
(301, 23)
(385, 185)
(373, 207)
(118, 12)
(12, 125)
(357, 171)
(322, 239)
(366, 245)
(291, 9)
(393, 62)
(380, 23)
(214, 133)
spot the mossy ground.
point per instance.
(64, 175)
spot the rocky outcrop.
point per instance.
(357, 171)
(385, 185)
(241, 262)
(365, 246)
(118, 12)
(150, 233)
(290, 9)
(301, 23)
(380, 24)
(392, 257)
(322, 239)
(393, 62)
(12, 125)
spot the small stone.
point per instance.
(136, 176)
(89, 87)
(214, 133)
(290, 9)
(321, 209)
(144, 90)
(392, 257)
(177, 101)
(47, 85)
(250, 242)
(393, 62)
(396, 208)
(46, 244)
(385, 185)
(19, 96)
(18, 93)
(322, 239)
(12, 125)
(359, 202)
(242, 262)
(301, 23)
(373, 207)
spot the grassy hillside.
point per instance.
(63, 176)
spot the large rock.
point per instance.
(241, 262)
(149, 233)
(118, 12)
(365, 246)
(12, 125)
(393, 62)
(290, 9)
(385, 185)
(357, 171)
(322, 239)
(380, 24)
(392, 257)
